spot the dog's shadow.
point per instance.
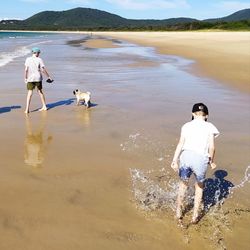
(216, 189)
(91, 105)
(8, 109)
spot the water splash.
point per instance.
(156, 190)
(141, 146)
(245, 180)
(152, 194)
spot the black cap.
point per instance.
(200, 107)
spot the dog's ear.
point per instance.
(77, 90)
(74, 92)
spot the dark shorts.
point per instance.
(32, 85)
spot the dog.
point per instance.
(82, 97)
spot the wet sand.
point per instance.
(100, 43)
(66, 173)
(221, 55)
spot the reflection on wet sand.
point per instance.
(84, 116)
(35, 143)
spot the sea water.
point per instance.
(18, 44)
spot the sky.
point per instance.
(133, 9)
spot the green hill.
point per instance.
(93, 19)
(75, 18)
(235, 17)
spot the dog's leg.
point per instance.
(88, 104)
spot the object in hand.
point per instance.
(49, 80)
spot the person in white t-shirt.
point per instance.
(34, 67)
(194, 152)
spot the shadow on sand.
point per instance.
(216, 189)
(66, 102)
(8, 109)
(60, 103)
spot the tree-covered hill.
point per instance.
(92, 19)
(235, 17)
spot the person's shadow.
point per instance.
(60, 103)
(8, 109)
(66, 102)
(216, 189)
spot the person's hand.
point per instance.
(174, 166)
(213, 165)
(49, 80)
(25, 80)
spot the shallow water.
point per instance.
(82, 175)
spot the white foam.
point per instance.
(7, 57)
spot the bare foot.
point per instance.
(195, 220)
(43, 109)
(26, 111)
(179, 214)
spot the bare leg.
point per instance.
(197, 200)
(43, 100)
(29, 95)
(181, 194)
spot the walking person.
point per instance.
(34, 68)
(194, 152)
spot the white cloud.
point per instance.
(233, 5)
(150, 4)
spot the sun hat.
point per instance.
(35, 50)
(200, 107)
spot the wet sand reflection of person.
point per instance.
(35, 145)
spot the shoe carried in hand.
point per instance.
(49, 80)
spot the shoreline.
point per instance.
(220, 55)
(209, 50)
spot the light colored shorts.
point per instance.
(193, 163)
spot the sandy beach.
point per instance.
(100, 178)
(221, 55)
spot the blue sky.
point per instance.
(135, 9)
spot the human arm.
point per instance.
(26, 74)
(174, 164)
(211, 151)
(46, 73)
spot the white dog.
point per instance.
(82, 97)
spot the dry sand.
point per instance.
(221, 55)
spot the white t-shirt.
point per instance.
(196, 134)
(34, 65)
